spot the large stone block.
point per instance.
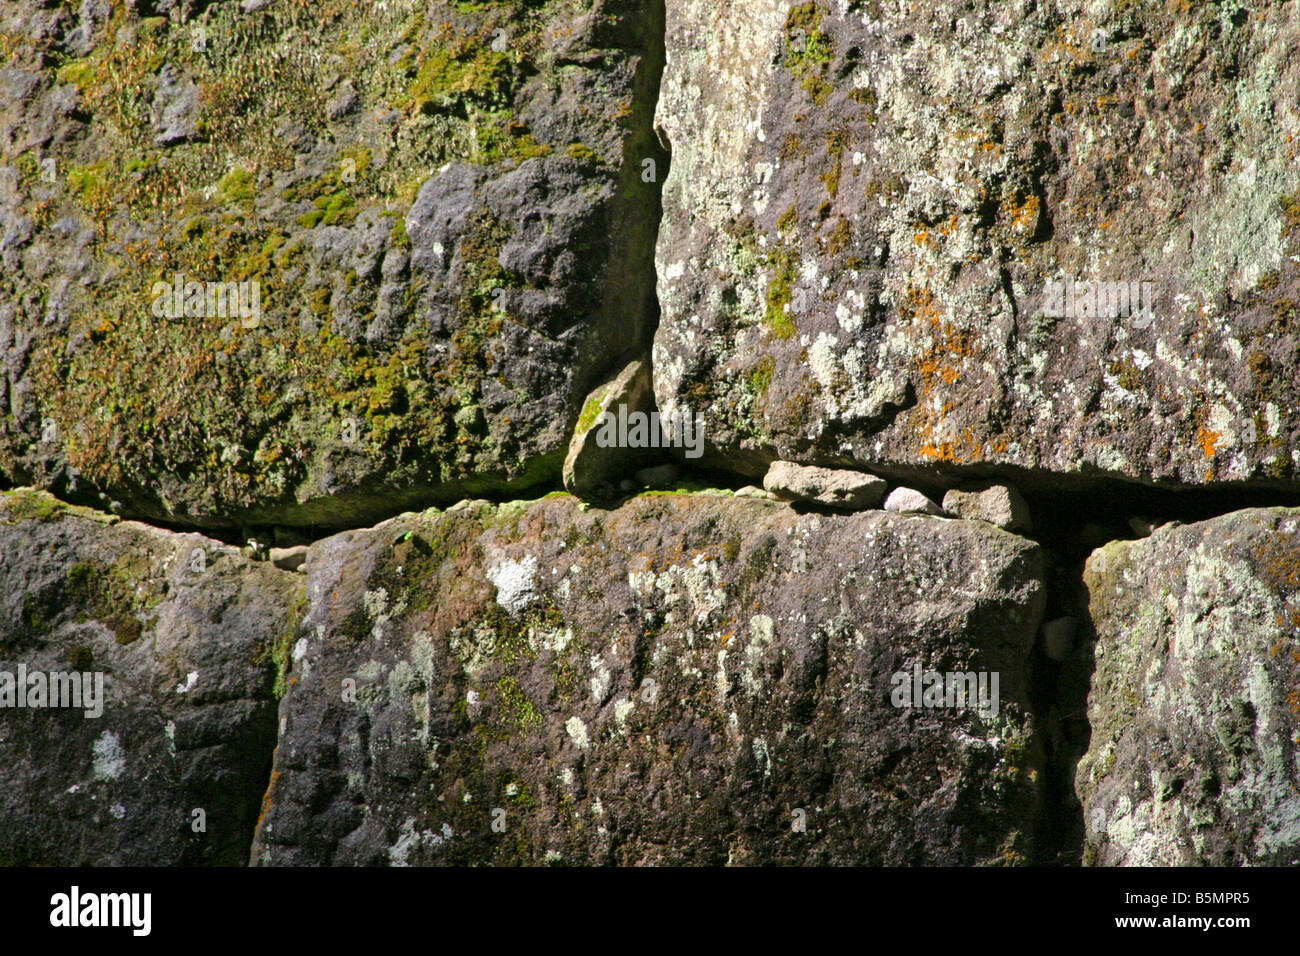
(1194, 702)
(870, 204)
(185, 635)
(437, 217)
(688, 679)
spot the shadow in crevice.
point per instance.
(1070, 525)
(630, 303)
(1058, 699)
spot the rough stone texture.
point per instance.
(910, 501)
(587, 465)
(1195, 718)
(187, 634)
(289, 559)
(829, 486)
(1001, 505)
(867, 200)
(666, 683)
(445, 206)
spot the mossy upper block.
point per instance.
(331, 258)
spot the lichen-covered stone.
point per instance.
(868, 201)
(1194, 703)
(187, 636)
(275, 269)
(687, 679)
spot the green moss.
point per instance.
(777, 318)
(497, 142)
(27, 504)
(866, 97)
(792, 148)
(1285, 312)
(836, 141)
(38, 615)
(808, 50)
(523, 797)
(517, 710)
(117, 596)
(334, 192)
(581, 152)
(336, 208)
(590, 412)
(80, 72)
(1281, 467)
(1128, 375)
(398, 233)
(81, 658)
(759, 379)
(731, 548)
(1290, 206)
(891, 188)
(841, 237)
(458, 69)
(236, 186)
(282, 652)
(90, 186)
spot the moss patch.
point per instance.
(777, 318)
(120, 596)
(808, 50)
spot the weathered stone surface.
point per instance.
(867, 201)
(176, 107)
(1194, 710)
(838, 487)
(910, 501)
(690, 678)
(1001, 505)
(186, 634)
(448, 257)
(587, 464)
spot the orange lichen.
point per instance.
(1024, 215)
(268, 798)
(939, 365)
(1208, 440)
